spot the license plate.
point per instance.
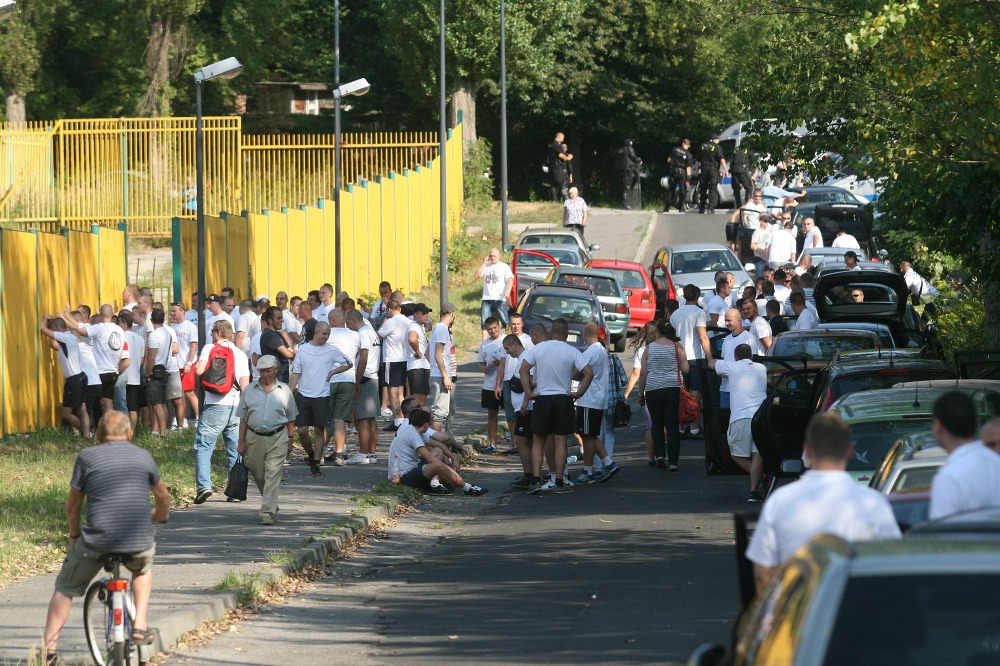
(572, 337)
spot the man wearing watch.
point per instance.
(267, 414)
(116, 477)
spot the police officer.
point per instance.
(558, 158)
(627, 165)
(740, 172)
(680, 162)
(713, 161)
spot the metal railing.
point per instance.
(76, 173)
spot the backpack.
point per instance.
(220, 374)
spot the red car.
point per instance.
(632, 276)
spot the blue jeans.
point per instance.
(663, 404)
(120, 403)
(496, 309)
(215, 420)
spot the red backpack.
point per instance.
(220, 374)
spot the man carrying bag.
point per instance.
(267, 414)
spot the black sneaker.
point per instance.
(203, 495)
(314, 469)
(440, 490)
(661, 463)
(476, 491)
(754, 497)
(392, 427)
(522, 483)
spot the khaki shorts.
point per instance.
(439, 400)
(342, 401)
(366, 405)
(740, 438)
(82, 564)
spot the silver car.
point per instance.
(697, 263)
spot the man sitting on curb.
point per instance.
(425, 464)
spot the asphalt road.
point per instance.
(641, 569)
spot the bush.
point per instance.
(961, 319)
(479, 176)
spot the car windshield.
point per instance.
(836, 253)
(563, 257)
(873, 440)
(601, 286)
(819, 348)
(628, 278)
(550, 239)
(703, 261)
(949, 618)
(574, 310)
(828, 196)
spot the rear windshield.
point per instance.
(563, 257)
(704, 261)
(918, 620)
(628, 279)
(872, 441)
(880, 379)
(573, 310)
(553, 239)
(820, 349)
(601, 286)
(861, 292)
(856, 223)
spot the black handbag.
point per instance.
(239, 478)
(623, 414)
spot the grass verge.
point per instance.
(35, 470)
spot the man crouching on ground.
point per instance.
(424, 464)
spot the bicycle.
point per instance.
(108, 615)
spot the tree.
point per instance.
(19, 60)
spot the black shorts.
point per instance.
(589, 421)
(312, 411)
(489, 401)
(108, 381)
(394, 373)
(415, 477)
(92, 400)
(156, 391)
(732, 231)
(522, 426)
(419, 380)
(553, 415)
(135, 397)
(75, 391)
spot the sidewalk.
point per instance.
(202, 544)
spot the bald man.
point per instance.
(498, 282)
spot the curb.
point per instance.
(647, 236)
(317, 551)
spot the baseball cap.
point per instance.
(851, 253)
(267, 361)
(421, 307)
(263, 297)
(214, 298)
(448, 307)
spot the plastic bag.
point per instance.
(239, 478)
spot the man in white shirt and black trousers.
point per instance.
(556, 365)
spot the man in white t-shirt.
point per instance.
(343, 385)
(219, 416)
(498, 281)
(690, 322)
(187, 356)
(851, 261)
(807, 319)
(67, 347)
(321, 312)
(760, 330)
(760, 243)
(782, 249)
(108, 342)
(366, 398)
(491, 353)
(412, 462)
(136, 401)
(216, 313)
(845, 240)
(163, 381)
(718, 304)
(590, 409)
(192, 314)
(418, 368)
(813, 236)
(443, 370)
(312, 369)
(393, 332)
(556, 364)
(750, 214)
(737, 336)
(247, 325)
(747, 390)
(291, 324)
(826, 500)
(782, 285)
(970, 477)
(507, 370)
(915, 282)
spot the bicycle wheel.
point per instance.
(96, 619)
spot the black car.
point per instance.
(854, 218)
(544, 303)
(826, 194)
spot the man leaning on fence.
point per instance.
(267, 414)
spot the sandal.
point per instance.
(51, 659)
(143, 636)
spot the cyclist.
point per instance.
(116, 477)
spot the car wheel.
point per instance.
(620, 343)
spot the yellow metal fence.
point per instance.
(40, 273)
(141, 171)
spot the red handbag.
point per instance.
(687, 409)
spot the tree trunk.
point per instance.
(464, 100)
(991, 290)
(16, 112)
(155, 103)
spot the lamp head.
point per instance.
(358, 87)
(224, 69)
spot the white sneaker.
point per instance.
(372, 458)
(386, 413)
(571, 459)
(358, 459)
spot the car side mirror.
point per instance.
(883, 253)
(508, 248)
(749, 268)
(628, 293)
(594, 247)
(792, 467)
(708, 654)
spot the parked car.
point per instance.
(633, 277)
(822, 344)
(531, 266)
(531, 238)
(816, 194)
(610, 295)
(544, 303)
(854, 218)
(926, 599)
(697, 263)
(910, 464)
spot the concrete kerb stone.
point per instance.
(171, 628)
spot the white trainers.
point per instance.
(372, 458)
(358, 459)
(387, 413)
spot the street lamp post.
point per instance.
(356, 87)
(503, 125)
(444, 173)
(224, 69)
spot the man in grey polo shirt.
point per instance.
(267, 414)
(116, 478)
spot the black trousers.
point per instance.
(679, 182)
(709, 184)
(741, 181)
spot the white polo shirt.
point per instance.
(747, 387)
(821, 502)
(968, 479)
(596, 395)
(313, 364)
(686, 322)
(348, 342)
(555, 363)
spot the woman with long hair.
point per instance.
(660, 389)
(645, 335)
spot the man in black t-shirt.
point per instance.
(274, 342)
(558, 171)
(681, 160)
(116, 477)
(713, 164)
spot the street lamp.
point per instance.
(6, 8)
(224, 69)
(504, 223)
(443, 154)
(356, 88)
